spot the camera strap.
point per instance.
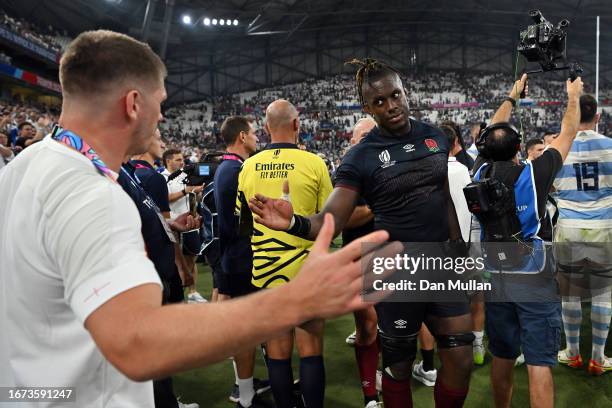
(74, 141)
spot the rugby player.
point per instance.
(400, 169)
(584, 195)
(278, 256)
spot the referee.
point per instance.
(278, 256)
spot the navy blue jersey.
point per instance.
(402, 180)
(153, 183)
(236, 253)
(159, 248)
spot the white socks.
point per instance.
(478, 337)
(246, 391)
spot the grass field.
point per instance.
(211, 386)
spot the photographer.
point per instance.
(179, 197)
(512, 326)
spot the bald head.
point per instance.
(282, 119)
(362, 127)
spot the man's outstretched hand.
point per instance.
(274, 213)
(331, 284)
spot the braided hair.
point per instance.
(369, 70)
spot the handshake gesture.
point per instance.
(274, 213)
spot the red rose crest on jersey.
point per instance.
(432, 145)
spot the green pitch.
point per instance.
(211, 386)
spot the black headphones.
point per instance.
(485, 131)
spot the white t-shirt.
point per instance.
(180, 206)
(459, 177)
(69, 241)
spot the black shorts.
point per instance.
(212, 254)
(191, 243)
(398, 319)
(236, 285)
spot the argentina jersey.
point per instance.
(584, 184)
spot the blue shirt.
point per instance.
(159, 248)
(236, 253)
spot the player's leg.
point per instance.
(572, 320)
(240, 285)
(399, 324)
(424, 370)
(601, 311)
(451, 324)
(478, 322)
(366, 351)
(279, 369)
(309, 340)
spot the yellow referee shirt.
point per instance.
(278, 256)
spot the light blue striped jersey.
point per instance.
(584, 183)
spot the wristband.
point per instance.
(511, 100)
(292, 223)
(300, 226)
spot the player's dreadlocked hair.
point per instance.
(368, 70)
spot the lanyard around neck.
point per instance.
(72, 140)
(232, 156)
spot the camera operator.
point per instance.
(179, 197)
(148, 190)
(172, 161)
(512, 326)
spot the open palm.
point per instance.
(274, 213)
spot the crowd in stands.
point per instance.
(330, 108)
(47, 37)
(24, 124)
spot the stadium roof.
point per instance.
(274, 34)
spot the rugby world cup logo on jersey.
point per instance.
(432, 145)
(385, 158)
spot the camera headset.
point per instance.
(485, 131)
